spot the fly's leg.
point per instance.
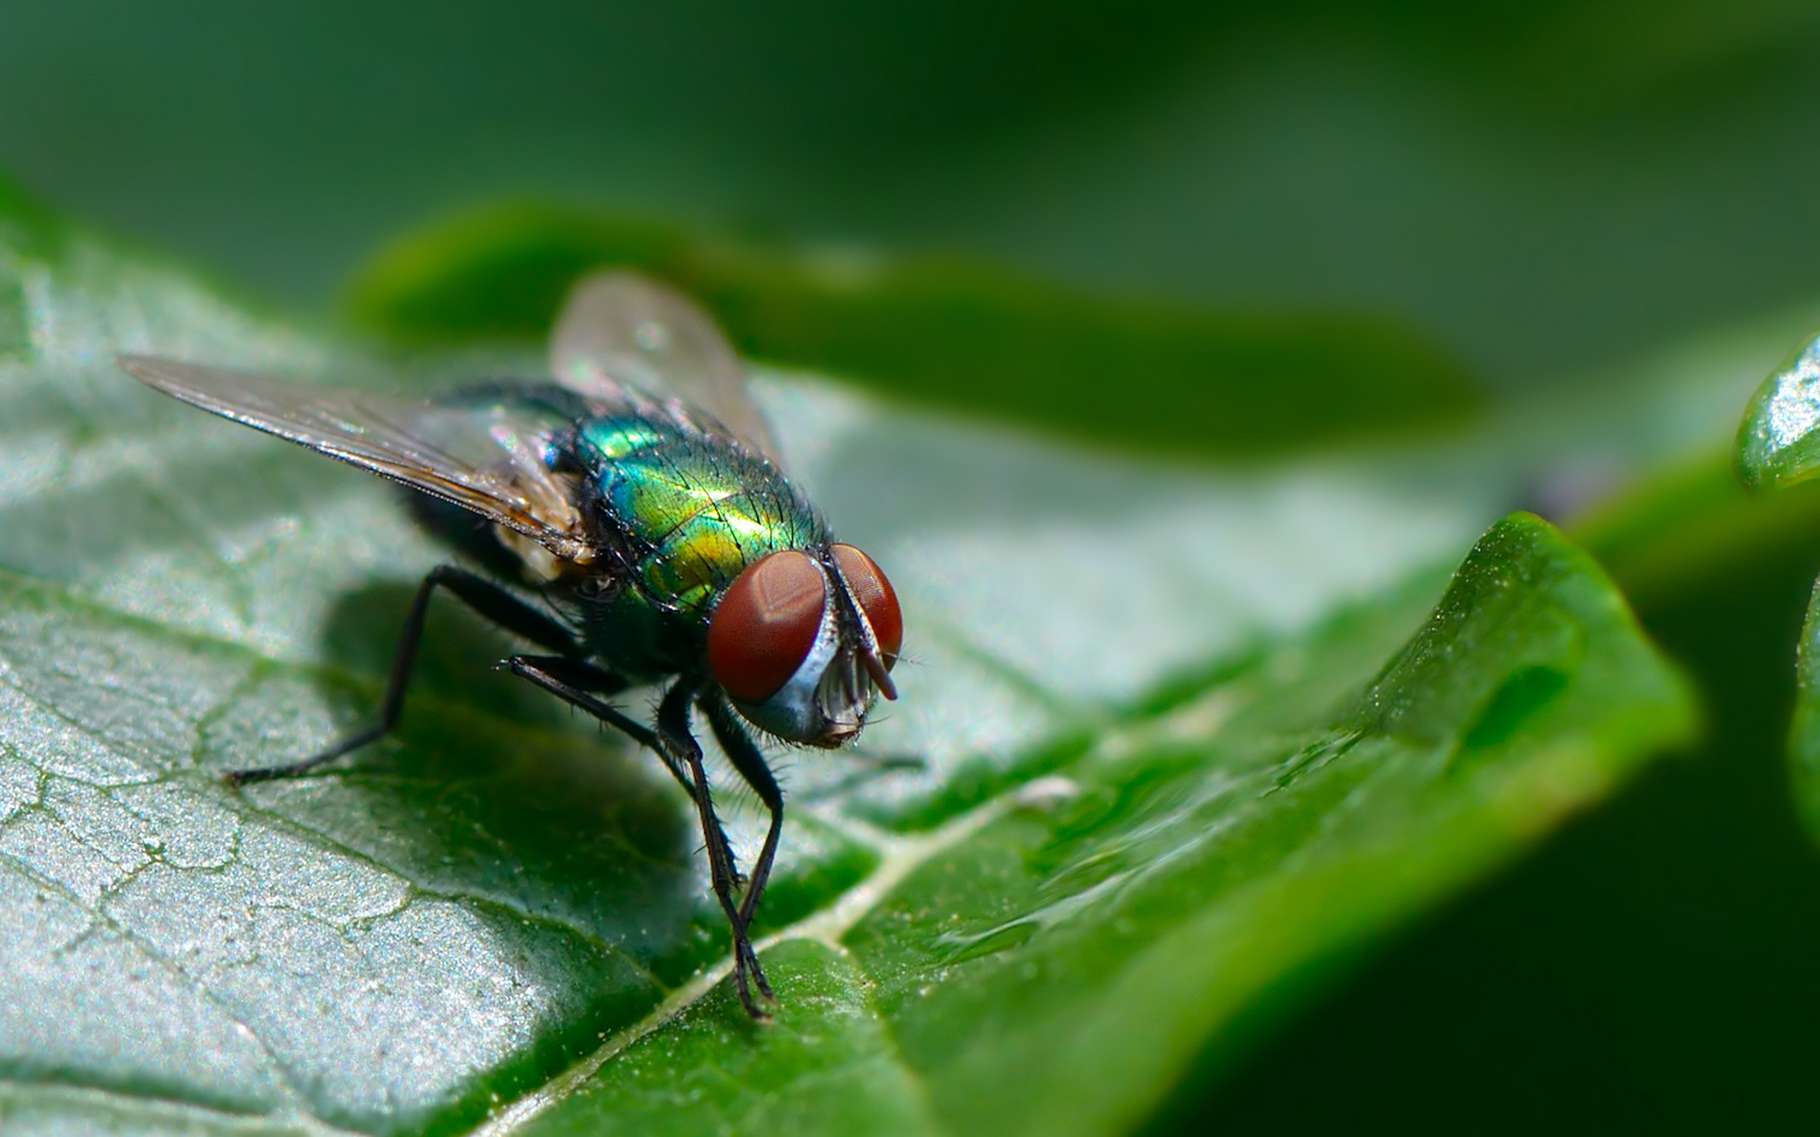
(571, 680)
(746, 758)
(477, 592)
(576, 683)
(673, 728)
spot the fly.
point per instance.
(635, 526)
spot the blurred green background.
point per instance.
(1539, 189)
(1539, 193)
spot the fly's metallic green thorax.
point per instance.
(678, 511)
(690, 511)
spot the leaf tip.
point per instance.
(1778, 442)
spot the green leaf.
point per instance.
(1779, 440)
(1779, 446)
(1168, 770)
(946, 332)
(1804, 733)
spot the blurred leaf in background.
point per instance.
(954, 332)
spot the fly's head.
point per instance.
(803, 642)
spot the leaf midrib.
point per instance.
(899, 856)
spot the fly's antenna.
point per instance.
(869, 655)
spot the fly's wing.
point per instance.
(620, 330)
(481, 458)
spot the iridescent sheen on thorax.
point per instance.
(679, 512)
(685, 513)
(691, 512)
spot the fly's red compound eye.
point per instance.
(765, 625)
(876, 597)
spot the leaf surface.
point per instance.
(1166, 766)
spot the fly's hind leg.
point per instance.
(477, 592)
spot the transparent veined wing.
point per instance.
(619, 329)
(488, 459)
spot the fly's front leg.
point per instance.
(477, 592)
(673, 728)
(750, 762)
(576, 683)
(571, 681)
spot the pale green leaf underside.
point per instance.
(502, 911)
